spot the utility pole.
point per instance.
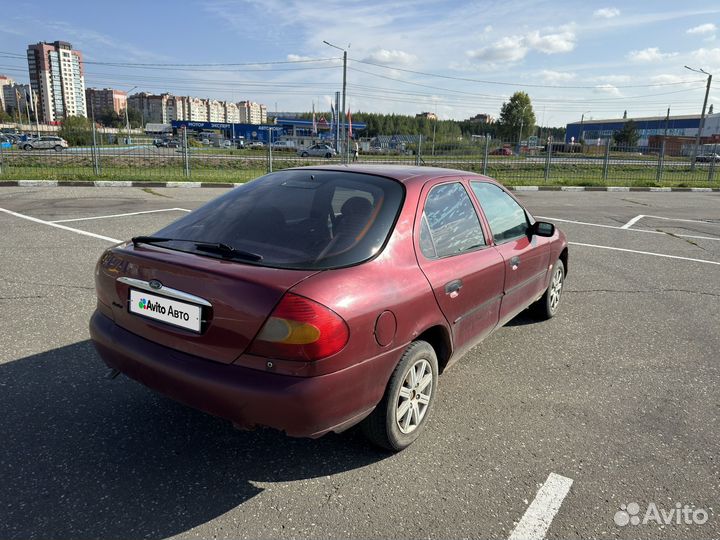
(344, 94)
(702, 115)
(127, 118)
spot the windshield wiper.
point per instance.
(220, 248)
(225, 250)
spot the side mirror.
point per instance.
(542, 228)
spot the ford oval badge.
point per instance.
(155, 284)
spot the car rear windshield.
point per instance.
(309, 219)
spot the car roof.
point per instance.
(407, 174)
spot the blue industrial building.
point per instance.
(285, 127)
(591, 131)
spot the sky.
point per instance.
(457, 59)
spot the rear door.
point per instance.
(526, 258)
(465, 273)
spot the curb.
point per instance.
(140, 184)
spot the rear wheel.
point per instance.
(402, 413)
(547, 307)
(27, 147)
(58, 148)
(304, 154)
(328, 155)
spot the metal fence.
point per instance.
(510, 163)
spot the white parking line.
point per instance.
(646, 253)
(629, 230)
(51, 224)
(632, 222)
(685, 220)
(121, 215)
(537, 518)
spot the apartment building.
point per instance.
(216, 110)
(57, 80)
(4, 81)
(16, 97)
(252, 113)
(232, 113)
(99, 100)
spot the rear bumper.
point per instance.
(299, 406)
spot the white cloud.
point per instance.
(707, 28)
(551, 43)
(507, 49)
(651, 54)
(553, 77)
(384, 56)
(613, 79)
(709, 58)
(608, 89)
(606, 13)
(515, 48)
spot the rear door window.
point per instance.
(450, 224)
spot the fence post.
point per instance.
(95, 152)
(547, 161)
(269, 154)
(606, 161)
(711, 172)
(419, 148)
(485, 154)
(186, 153)
(1, 158)
(661, 162)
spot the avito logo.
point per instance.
(157, 307)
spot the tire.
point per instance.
(27, 147)
(304, 154)
(383, 427)
(58, 148)
(548, 306)
(328, 155)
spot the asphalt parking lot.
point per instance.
(617, 397)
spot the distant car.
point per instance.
(166, 143)
(312, 299)
(255, 144)
(45, 143)
(284, 145)
(5, 142)
(501, 152)
(708, 158)
(318, 150)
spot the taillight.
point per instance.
(300, 329)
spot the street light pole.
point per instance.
(702, 115)
(522, 121)
(127, 118)
(344, 91)
(580, 136)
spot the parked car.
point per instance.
(284, 145)
(707, 158)
(503, 151)
(316, 298)
(5, 142)
(45, 143)
(255, 144)
(317, 150)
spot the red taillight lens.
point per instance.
(300, 329)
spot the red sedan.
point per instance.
(312, 299)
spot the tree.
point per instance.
(628, 135)
(76, 130)
(516, 117)
(5, 117)
(109, 118)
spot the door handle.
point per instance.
(515, 262)
(452, 288)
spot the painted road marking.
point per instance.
(632, 222)
(629, 230)
(646, 253)
(121, 215)
(57, 226)
(537, 518)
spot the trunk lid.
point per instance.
(242, 296)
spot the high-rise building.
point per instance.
(17, 99)
(99, 100)
(215, 110)
(57, 80)
(4, 81)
